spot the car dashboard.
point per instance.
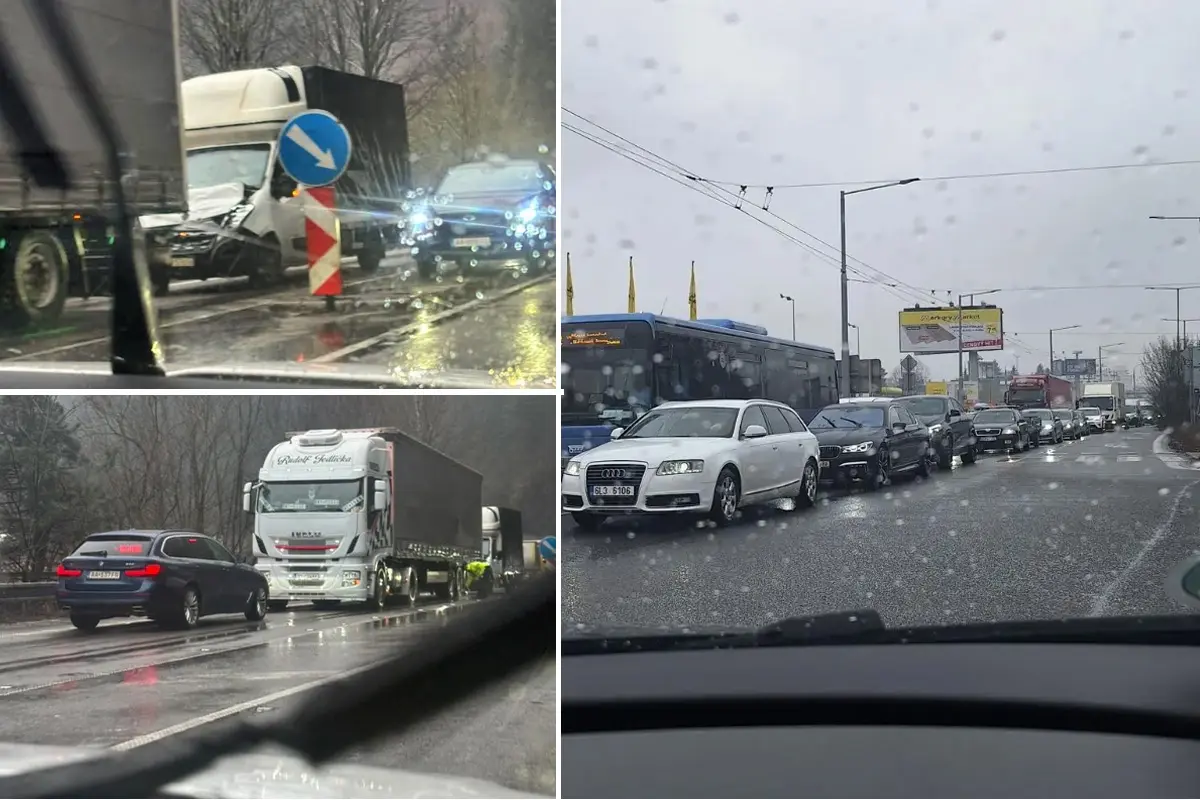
(884, 720)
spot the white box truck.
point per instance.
(1109, 398)
(363, 516)
(247, 218)
(56, 243)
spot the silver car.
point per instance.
(1072, 423)
(1094, 418)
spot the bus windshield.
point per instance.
(606, 373)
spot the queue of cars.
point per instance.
(713, 457)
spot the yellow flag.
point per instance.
(632, 289)
(692, 295)
(570, 289)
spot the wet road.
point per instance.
(131, 684)
(1079, 529)
(391, 318)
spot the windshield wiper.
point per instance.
(858, 627)
(443, 669)
(134, 331)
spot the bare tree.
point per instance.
(1164, 371)
(223, 35)
(919, 377)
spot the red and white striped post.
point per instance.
(323, 231)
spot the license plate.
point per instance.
(472, 241)
(614, 491)
(96, 575)
(824, 464)
(183, 261)
(987, 438)
(308, 581)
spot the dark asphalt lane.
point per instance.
(1080, 529)
(134, 684)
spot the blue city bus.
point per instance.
(616, 366)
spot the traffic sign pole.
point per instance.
(314, 149)
(322, 230)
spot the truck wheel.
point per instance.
(414, 589)
(379, 596)
(34, 276)
(370, 259)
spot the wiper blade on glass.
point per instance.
(445, 668)
(843, 627)
(135, 340)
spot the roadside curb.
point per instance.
(1162, 448)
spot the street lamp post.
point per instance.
(972, 295)
(844, 388)
(1052, 330)
(1183, 321)
(791, 300)
(857, 338)
(1100, 358)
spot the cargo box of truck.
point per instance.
(58, 242)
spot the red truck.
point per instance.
(1040, 391)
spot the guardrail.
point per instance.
(20, 602)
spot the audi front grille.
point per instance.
(615, 475)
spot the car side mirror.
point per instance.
(754, 432)
(247, 496)
(899, 427)
(616, 433)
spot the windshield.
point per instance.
(332, 496)
(1043, 414)
(91, 481)
(1064, 414)
(214, 166)
(274, 251)
(1102, 403)
(848, 417)
(926, 406)
(1089, 411)
(485, 178)
(995, 416)
(1026, 396)
(692, 422)
(606, 373)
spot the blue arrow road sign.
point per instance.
(314, 148)
(548, 547)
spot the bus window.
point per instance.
(606, 373)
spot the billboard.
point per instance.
(1074, 366)
(935, 330)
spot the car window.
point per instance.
(776, 424)
(219, 552)
(187, 547)
(795, 424)
(106, 545)
(907, 417)
(893, 416)
(752, 416)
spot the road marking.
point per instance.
(1129, 458)
(375, 341)
(1100, 606)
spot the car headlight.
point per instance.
(528, 213)
(1010, 431)
(1047, 427)
(861, 447)
(935, 427)
(572, 468)
(680, 467)
(351, 577)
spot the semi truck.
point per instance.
(247, 216)
(502, 545)
(363, 516)
(57, 243)
(1042, 390)
(1109, 398)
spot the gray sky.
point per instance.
(777, 92)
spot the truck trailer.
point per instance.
(247, 215)
(363, 516)
(1042, 390)
(55, 242)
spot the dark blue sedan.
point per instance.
(171, 577)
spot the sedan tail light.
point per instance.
(149, 571)
(67, 572)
